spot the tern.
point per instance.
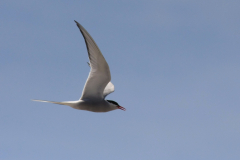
(98, 84)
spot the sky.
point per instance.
(175, 67)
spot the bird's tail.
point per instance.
(62, 103)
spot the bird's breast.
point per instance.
(93, 105)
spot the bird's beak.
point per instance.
(122, 108)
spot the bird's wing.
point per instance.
(99, 75)
(108, 89)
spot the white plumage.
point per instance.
(98, 84)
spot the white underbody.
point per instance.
(92, 105)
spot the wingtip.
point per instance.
(76, 22)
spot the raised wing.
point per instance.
(108, 89)
(99, 75)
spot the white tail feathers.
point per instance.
(62, 103)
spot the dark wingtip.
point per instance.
(76, 22)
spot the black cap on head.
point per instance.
(113, 102)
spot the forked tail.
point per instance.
(62, 103)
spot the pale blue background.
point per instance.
(175, 65)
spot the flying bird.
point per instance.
(98, 84)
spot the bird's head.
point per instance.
(116, 105)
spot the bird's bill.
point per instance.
(122, 108)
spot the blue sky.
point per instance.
(175, 67)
